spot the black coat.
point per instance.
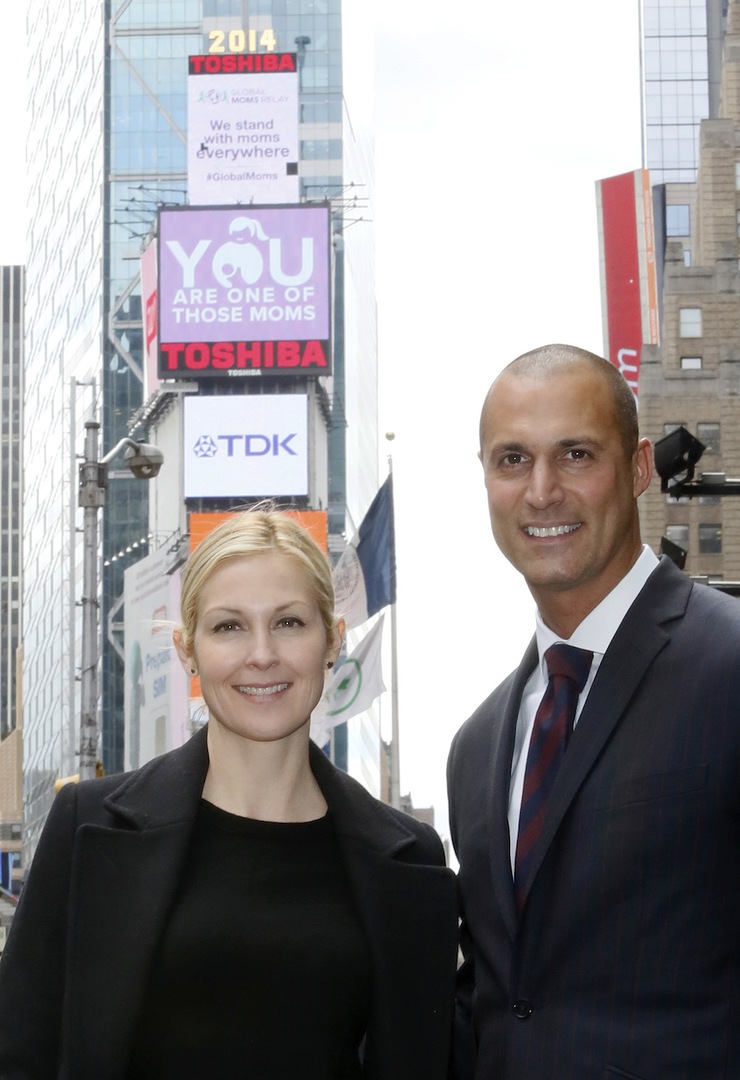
(625, 961)
(75, 968)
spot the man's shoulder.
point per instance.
(720, 605)
(703, 608)
(488, 713)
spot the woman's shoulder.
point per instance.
(359, 812)
(172, 773)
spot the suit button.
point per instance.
(522, 1009)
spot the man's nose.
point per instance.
(544, 487)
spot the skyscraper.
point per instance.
(681, 62)
(11, 421)
(108, 147)
(692, 379)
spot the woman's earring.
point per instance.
(193, 672)
(330, 663)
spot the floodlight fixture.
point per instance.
(676, 455)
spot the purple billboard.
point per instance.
(244, 290)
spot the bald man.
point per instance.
(598, 830)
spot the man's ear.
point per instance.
(642, 467)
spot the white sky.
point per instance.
(493, 122)
(491, 130)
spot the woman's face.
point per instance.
(260, 647)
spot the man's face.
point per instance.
(561, 490)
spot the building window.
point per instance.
(673, 425)
(686, 257)
(677, 221)
(690, 363)
(678, 534)
(737, 219)
(710, 539)
(737, 175)
(708, 433)
(689, 322)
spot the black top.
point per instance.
(263, 971)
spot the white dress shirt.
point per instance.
(594, 633)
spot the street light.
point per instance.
(144, 461)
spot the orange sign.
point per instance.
(313, 521)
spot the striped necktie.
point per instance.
(568, 670)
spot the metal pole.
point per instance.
(92, 497)
(394, 765)
(71, 744)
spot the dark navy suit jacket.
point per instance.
(625, 961)
(75, 968)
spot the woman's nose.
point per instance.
(261, 649)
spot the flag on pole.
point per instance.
(354, 685)
(365, 576)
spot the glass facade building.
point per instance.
(107, 147)
(146, 164)
(681, 58)
(11, 422)
(65, 178)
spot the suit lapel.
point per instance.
(402, 906)
(125, 879)
(639, 639)
(502, 749)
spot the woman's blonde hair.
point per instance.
(255, 532)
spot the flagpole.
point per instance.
(394, 764)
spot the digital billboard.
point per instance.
(244, 291)
(313, 521)
(243, 144)
(628, 276)
(245, 446)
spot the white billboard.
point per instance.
(245, 446)
(243, 144)
(155, 706)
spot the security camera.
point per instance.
(143, 459)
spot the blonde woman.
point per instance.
(237, 908)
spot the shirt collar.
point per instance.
(596, 631)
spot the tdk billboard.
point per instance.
(245, 445)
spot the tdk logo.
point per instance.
(252, 445)
(204, 447)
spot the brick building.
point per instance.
(693, 377)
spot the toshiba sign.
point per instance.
(245, 445)
(244, 291)
(243, 141)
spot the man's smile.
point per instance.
(551, 530)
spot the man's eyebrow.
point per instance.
(586, 440)
(514, 447)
